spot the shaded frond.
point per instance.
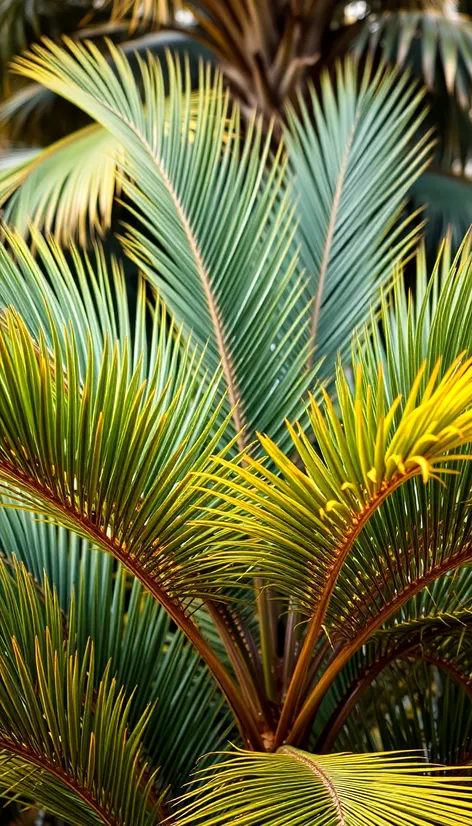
(293, 787)
(413, 705)
(441, 637)
(446, 201)
(353, 159)
(132, 633)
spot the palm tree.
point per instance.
(184, 575)
(270, 51)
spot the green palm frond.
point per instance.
(447, 206)
(292, 787)
(88, 294)
(68, 461)
(440, 636)
(132, 635)
(353, 159)
(73, 751)
(438, 536)
(68, 189)
(210, 210)
(443, 41)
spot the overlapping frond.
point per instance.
(65, 445)
(65, 739)
(132, 633)
(420, 534)
(292, 787)
(353, 157)
(440, 637)
(303, 525)
(439, 41)
(217, 229)
(87, 293)
(68, 189)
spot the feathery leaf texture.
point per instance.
(302, 525)
(69, 188)
(292, 787)
(131, 634)
(217, 224)
(64, 446)
(353, 159)
(443, 40)
(63, 742)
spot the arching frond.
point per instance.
(132, 633)
(70, 187)
(292, 787)
(67, 464)
(62, 742)
(440, 637)
(303, 525)
(216, 238)
(353, 158)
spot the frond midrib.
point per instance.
(54, 769)
(212, 303)
(327, 782)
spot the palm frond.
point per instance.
(68, 189)
(216, 238)
(447, 206)
(88, 294)
(292, 787)
(66, 463)
(303, 525)
(353, 158)
(61, 742)
(153, 13)
(131, 634)
(440, 636)
(444, 42)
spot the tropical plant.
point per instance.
(270, 51)
(186, 573)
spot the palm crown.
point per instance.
(243, 520)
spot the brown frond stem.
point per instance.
(338, 662)
(297, 683)
(246, 723)
(22, 751)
